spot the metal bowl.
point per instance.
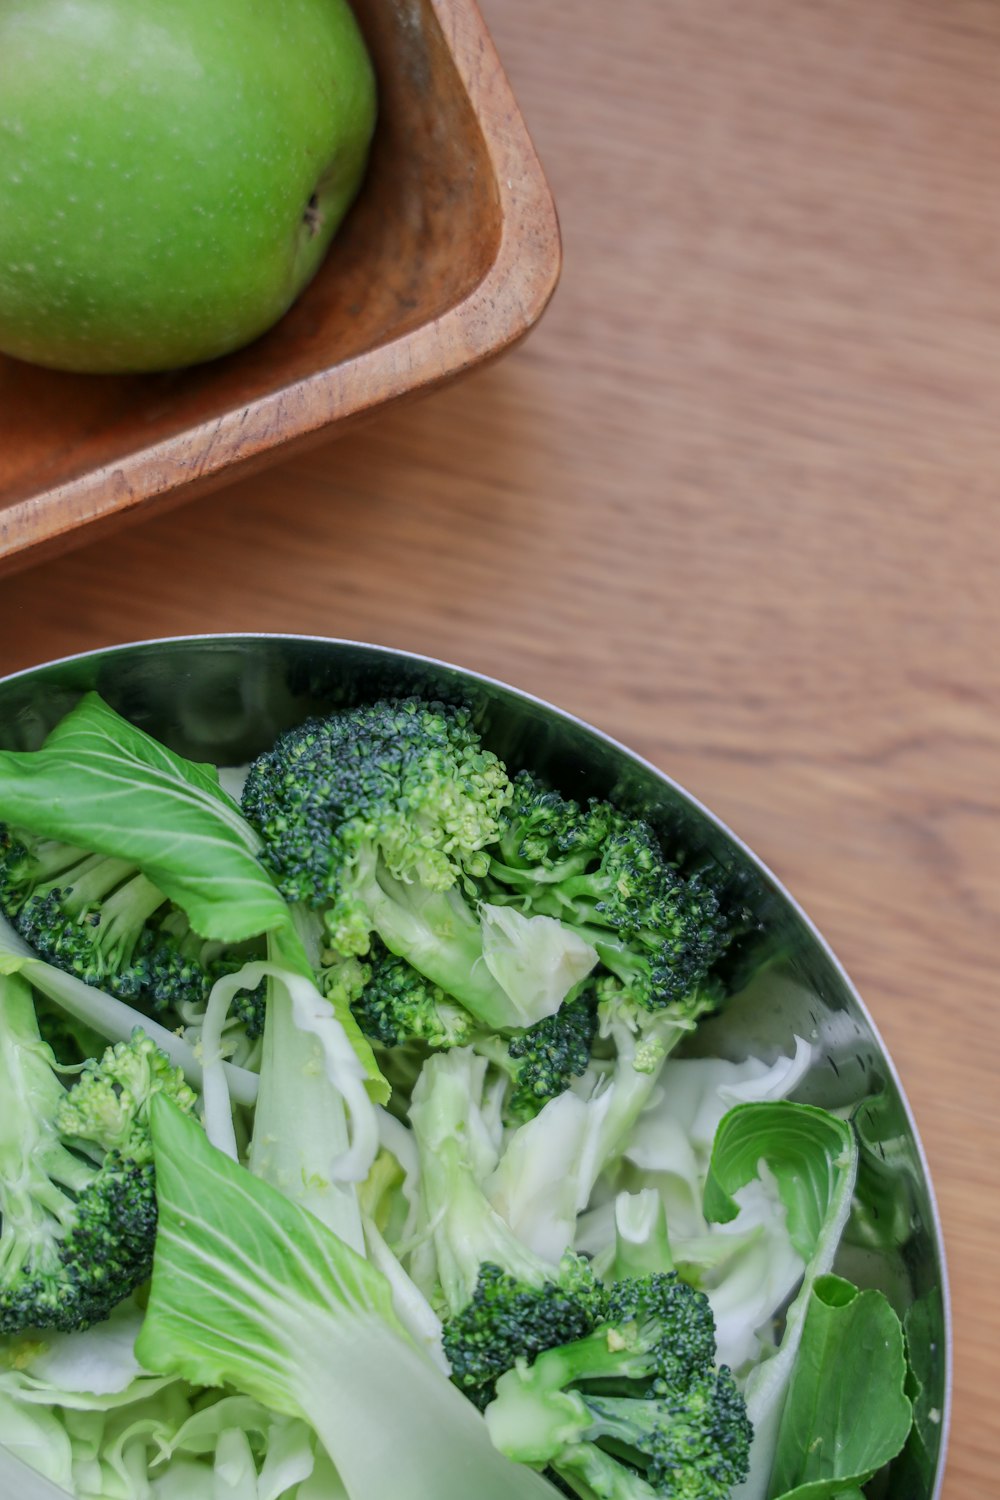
(225, 698)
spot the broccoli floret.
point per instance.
(636, 1407)
(550, 1054)
(604, 874)
(398, 1005)
(615, 1388)
(403, 781)
(508, 1320)
(101, 919)
(85, 913)
(542, 1060)
(381, 817)
(77, 1198)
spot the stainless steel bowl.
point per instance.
(225, 698)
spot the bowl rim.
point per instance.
(617, 746)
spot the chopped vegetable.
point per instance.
(393, 1180)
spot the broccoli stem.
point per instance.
(124, 914)
(563, 892)
(437, 932)
(50, 858)
(536, 1420)
(627, 1421)
(601, 1355)
(526, 878)
(595, 1475)
(89, 879)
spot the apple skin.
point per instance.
(171, 171)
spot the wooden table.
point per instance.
(735, 502)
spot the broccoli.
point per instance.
(603, 874)
(522, 1333)
(100, 918)
(546, 1057)
(381, 816)
(503, 1299)
(403, 781)
(636, 1407)
(78, 1021)
(542, 1060)
(289, 1314)
(508, 1320)
(398, 1005)
(77, 1198)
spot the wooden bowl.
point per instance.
(449, 256)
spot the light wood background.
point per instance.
(736, 501)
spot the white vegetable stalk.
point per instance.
(535, 960)
(314, 1016)
(27, 1484)
(409, 1303)
(216, 1103)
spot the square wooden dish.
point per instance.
(449, 256)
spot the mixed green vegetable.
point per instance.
(345, 1147)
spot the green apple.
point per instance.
(171, 171)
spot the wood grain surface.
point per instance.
(735, 501)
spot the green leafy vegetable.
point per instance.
(248, 1288)
(101, 784)
(812, 1156)
(847, 1413)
